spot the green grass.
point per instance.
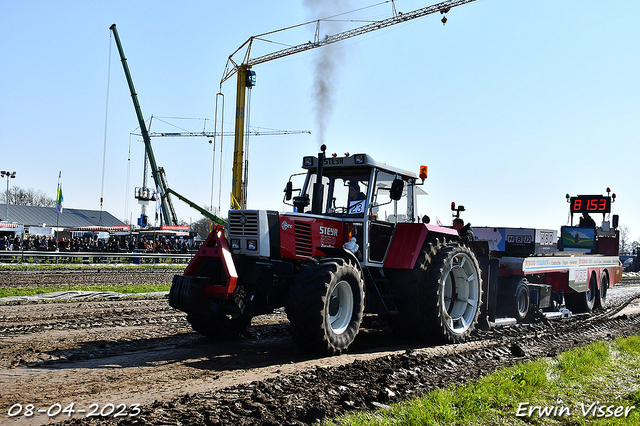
(124, 289)
(564, 388)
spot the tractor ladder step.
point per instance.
(380, 284)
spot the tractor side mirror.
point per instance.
(396, 189)
(615, 221)
(288, 191)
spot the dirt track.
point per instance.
(141, 351)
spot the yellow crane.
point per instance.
(247, 77)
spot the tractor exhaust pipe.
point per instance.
(316, 205)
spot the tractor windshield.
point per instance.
(343, 194)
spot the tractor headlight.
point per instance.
(252, 245)
(235, 244)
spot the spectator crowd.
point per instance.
(128, 244)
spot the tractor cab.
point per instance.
(354, 186)
(369, 197)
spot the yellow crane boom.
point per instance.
(246, 77)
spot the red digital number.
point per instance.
(600, 204)
(577, 205)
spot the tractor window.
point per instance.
(348, 194)
(383, 206)
(310, 186)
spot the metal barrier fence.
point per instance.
(29, 256)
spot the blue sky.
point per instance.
(511, 104)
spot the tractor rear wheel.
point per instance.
(326, 306)
(406, 286)
(452, 294)
(439, 300)
(217, 326)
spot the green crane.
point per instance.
(168, 212)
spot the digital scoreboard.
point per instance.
(590, 204)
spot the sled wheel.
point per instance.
(601, 300)
(326, 306)
(584, 301)
(218, 326)
(521, 306)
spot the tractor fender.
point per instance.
(408, 240)
(343, 253)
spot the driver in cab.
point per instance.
(354, 192)
(356, 198)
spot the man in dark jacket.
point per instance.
(586, 221)
(465, 232)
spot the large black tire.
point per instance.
(451, 302)
(326, 306)
(406, 287)
(583, 302)
(601, 299)
(440, 299)
(520, 309)
(513, 299)
(218, 326)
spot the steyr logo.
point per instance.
(286, 225)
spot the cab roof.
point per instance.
(354, 161)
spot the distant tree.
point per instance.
(27, 197)
(203, 226)
(625, 236)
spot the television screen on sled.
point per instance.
(575, 238)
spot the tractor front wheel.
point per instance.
(326, 306)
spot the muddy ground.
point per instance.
(137, 361)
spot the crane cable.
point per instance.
(246, 148)
(213, 161)
(126, 193)
(106, 115)
(221, 156)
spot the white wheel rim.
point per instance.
(340, 307)
(461, 295)
(523, 304)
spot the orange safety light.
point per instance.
(423, 172)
